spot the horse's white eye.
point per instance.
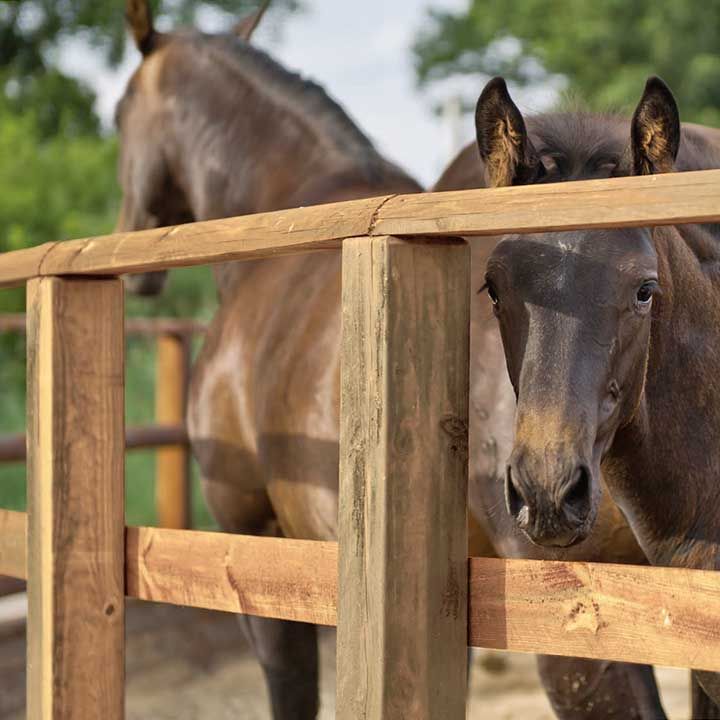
(645, 293)
(492, 295)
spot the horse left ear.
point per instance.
(655, 131)
(506, 151)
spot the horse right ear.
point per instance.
(655, 130)
(140, 21)
(508, 155)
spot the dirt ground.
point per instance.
(185, 664)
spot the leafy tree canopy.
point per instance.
(32, 30)
(605, 50)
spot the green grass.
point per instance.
(139, 465)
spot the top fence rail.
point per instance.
(670, 199)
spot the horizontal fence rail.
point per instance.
(13, 447)
(666, 616)
(17, 322)
(674, 198)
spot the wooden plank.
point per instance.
(659, 616)
(75, 499)
(271, 577)
(18, 266)
(15, 322)
(402, 627)
(13, 447)
(669, 199)
(13, 551)
(172, 463)
(244, 238)
(616, 202)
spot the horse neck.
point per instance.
(242, 147)
(667, 461)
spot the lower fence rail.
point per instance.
(659, 616)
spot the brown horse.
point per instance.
(610, 339)
(211, 127)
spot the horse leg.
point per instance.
(288, 653)
(704, 687)
(580, 689)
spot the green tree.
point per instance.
(605, 49)
(32, 30)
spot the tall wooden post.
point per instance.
(172, 473)
(76, 446)
(402, 609)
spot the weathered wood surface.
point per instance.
(75, 499)
(402, 620)
(172, 463)
(271, 577)
(659, 616)
(616, 202)
(666, 616)
(16, 322)
(244, 238)
(13, 541)
(13, 447)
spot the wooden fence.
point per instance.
(173, 337)
(399, 586)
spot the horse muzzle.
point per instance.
(551, 502)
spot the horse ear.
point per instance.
(655, 130)
(140, 21)
(246, 27)
(505, 148)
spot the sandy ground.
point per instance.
(185, 664)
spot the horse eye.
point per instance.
(645, 293)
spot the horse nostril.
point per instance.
(576, 497)
(517, 506)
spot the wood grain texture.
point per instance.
(641, 201)
(13, 544)
(271, 577)
(172, 463)
(403, 480)
(616, 202)
(243, 238)
(75, 499)
(659, 616)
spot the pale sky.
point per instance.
(360, 53)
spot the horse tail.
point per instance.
(246, 27)
(140, 21)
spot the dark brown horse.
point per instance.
(610, 337)
(211, 127)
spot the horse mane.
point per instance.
(300, 96)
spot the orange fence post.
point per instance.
(172, 475)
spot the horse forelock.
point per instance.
(579, 141)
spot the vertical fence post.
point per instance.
(172, 483)
(76, 445)
(402, 609)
